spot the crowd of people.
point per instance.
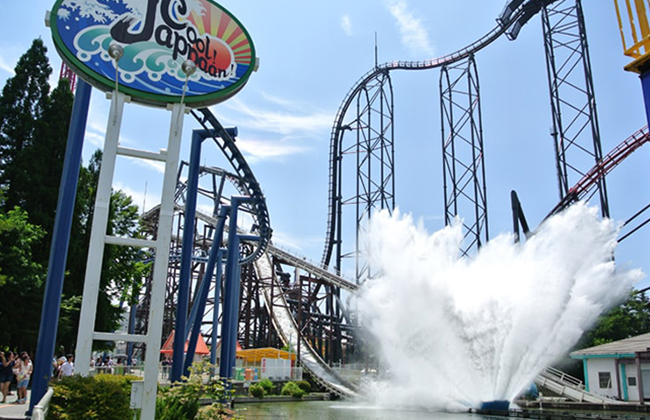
(63, 366)
(21, 368)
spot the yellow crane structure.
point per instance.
(635, 35)
(637, 29)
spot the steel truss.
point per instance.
(464, 185)
(373, 156)
(318, 310)
(313, 299)
(255, 328)
(576, 134)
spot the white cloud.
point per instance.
(256, 150)
(95, 131)
(4, 66)
(346, 25)
(281, 128)
(156, 165)
(414, 34)
(287, 122)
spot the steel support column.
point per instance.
(575, 130)
(464, 185)
(373, 152)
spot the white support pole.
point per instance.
(96, 248)
(157, 305)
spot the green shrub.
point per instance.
(304, 385)
(215, 412)
(171, 405)
(181, 401)
(256, 390)
(268, 386)
(102, 397)
(292, 388)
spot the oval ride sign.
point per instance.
(157, 37)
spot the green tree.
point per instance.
(22, 105)
(21, 280)
(46, 156)
(627, 320)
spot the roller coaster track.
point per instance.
(227, 145)
(287, 328)
(523, 11)
(316, 271)
(282, 319)
(590, 180)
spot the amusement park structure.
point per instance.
(285, 300)
(227, 281)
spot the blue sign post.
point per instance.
(59, 247)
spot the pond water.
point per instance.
(338, 410)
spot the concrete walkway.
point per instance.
(12, 411)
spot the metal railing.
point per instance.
(43, 406)
(636, 26)
(564, 378)
(118, 370)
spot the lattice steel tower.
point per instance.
(465, 191)
(575, 129)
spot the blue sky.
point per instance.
(312, 53)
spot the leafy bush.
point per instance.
(215, 412)
(292, 388)
(256, 390)
(181, 401)
(268, 386)
(107, 397)
(102, 397)
(173, 405)
(304, 385)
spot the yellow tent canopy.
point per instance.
(256, 355)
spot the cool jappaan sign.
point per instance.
(157, 37)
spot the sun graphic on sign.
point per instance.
(228, 42)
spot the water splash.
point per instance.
(454, 332)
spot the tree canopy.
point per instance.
(627, 320)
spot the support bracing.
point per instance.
(575, 130)
(362, 145)
(464, 185)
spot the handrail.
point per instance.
(315, 270)
(565, 378)
(43, 406)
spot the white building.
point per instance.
(620, 369)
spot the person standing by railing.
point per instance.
(6, 373)
(23, 371)
(67, 368)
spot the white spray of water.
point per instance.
(455, 332)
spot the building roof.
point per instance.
(256, 355)
(168, 347)
(621, 348)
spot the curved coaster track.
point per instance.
(515, 14)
